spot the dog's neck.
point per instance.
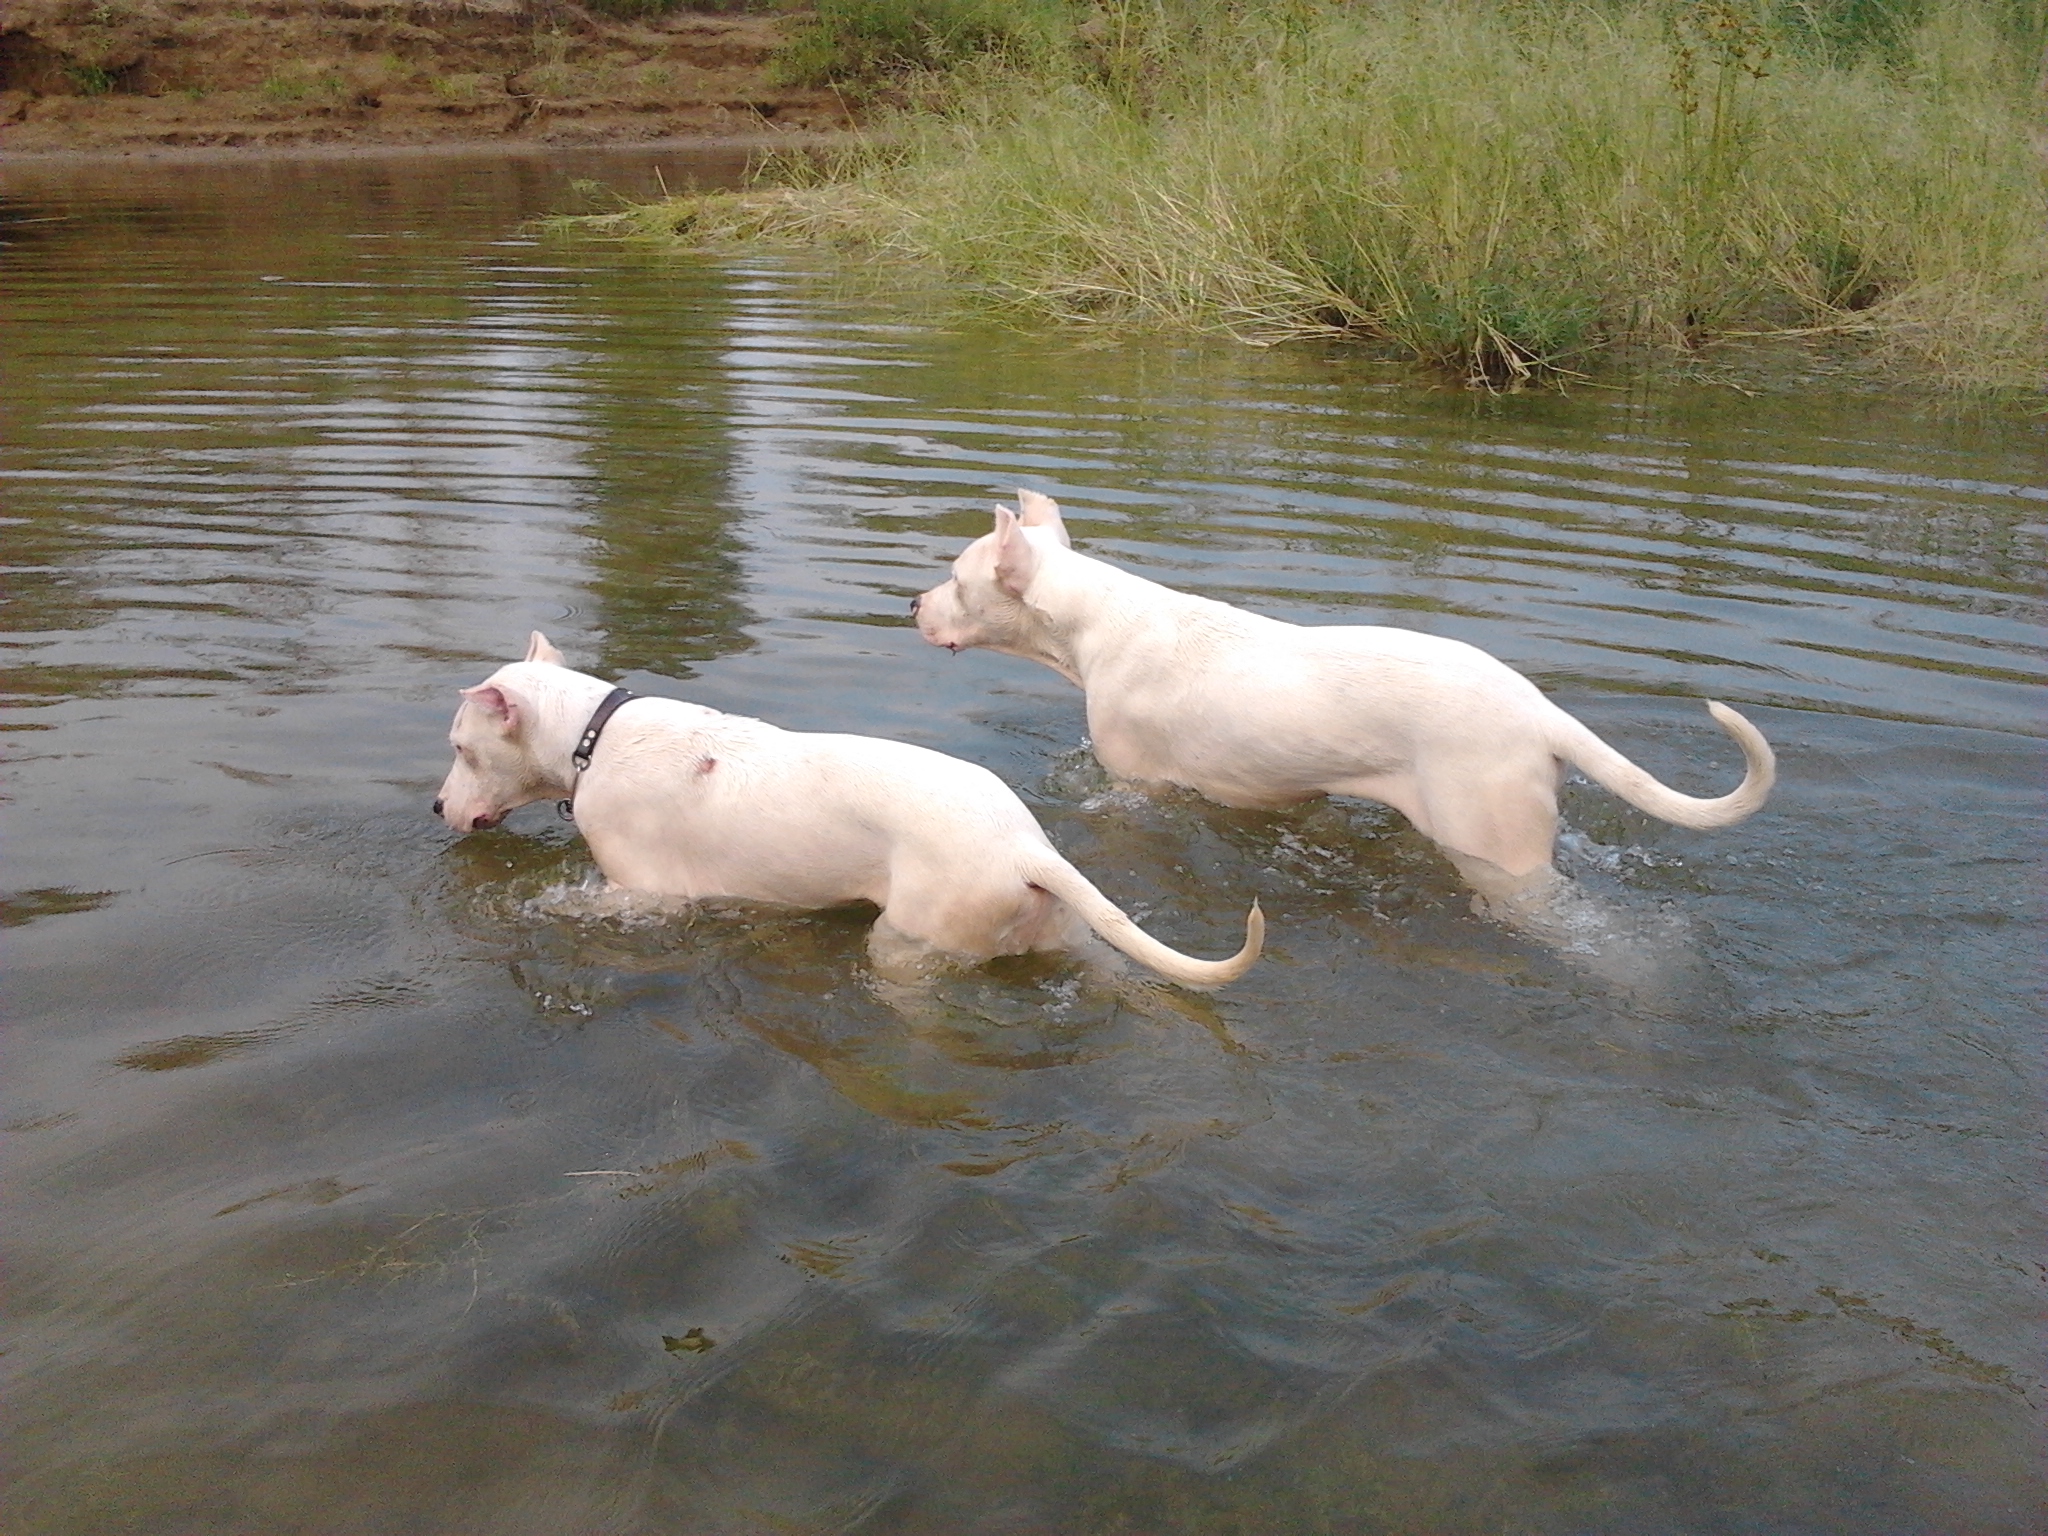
(563, 701)
(1089, 614)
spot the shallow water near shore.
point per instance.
(363, 1178)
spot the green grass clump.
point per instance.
(865, 44)
(1505, 189)
(640, 10)
(91, 80)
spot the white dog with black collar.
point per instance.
(684, 801)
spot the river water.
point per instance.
(361, 1180)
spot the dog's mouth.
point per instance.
(485, 822)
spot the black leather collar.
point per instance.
(587, 744)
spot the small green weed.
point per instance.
(463, 90)
(91, 80)
(303, 85)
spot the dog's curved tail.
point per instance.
(1057, 877)
(1601, 763)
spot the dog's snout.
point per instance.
(437, 807)
(914, 602)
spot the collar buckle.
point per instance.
(586, 744)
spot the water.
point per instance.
(363, 1179)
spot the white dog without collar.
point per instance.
(1251, 711)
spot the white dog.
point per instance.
(1251, 711)
(680, 800)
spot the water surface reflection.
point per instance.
(364, 1179)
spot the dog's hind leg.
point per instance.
(1499, 829)
(900, 959)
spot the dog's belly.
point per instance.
(792, 853)
(1257, 759)
(700, 874)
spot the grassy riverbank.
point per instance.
(1506, 189)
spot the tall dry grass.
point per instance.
(1507, 189)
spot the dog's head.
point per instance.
(496, 769)
(984, 603)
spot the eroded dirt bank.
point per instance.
(114, 74)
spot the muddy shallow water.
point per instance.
(366, 1179)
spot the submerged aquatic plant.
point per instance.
(1502, 190)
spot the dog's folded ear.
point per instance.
(499, 706)
(1016, 560)
(1040, 511)
(538, 649)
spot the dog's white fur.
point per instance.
(681, 800)
(1251, 711)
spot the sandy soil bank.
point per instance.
(190, 74)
